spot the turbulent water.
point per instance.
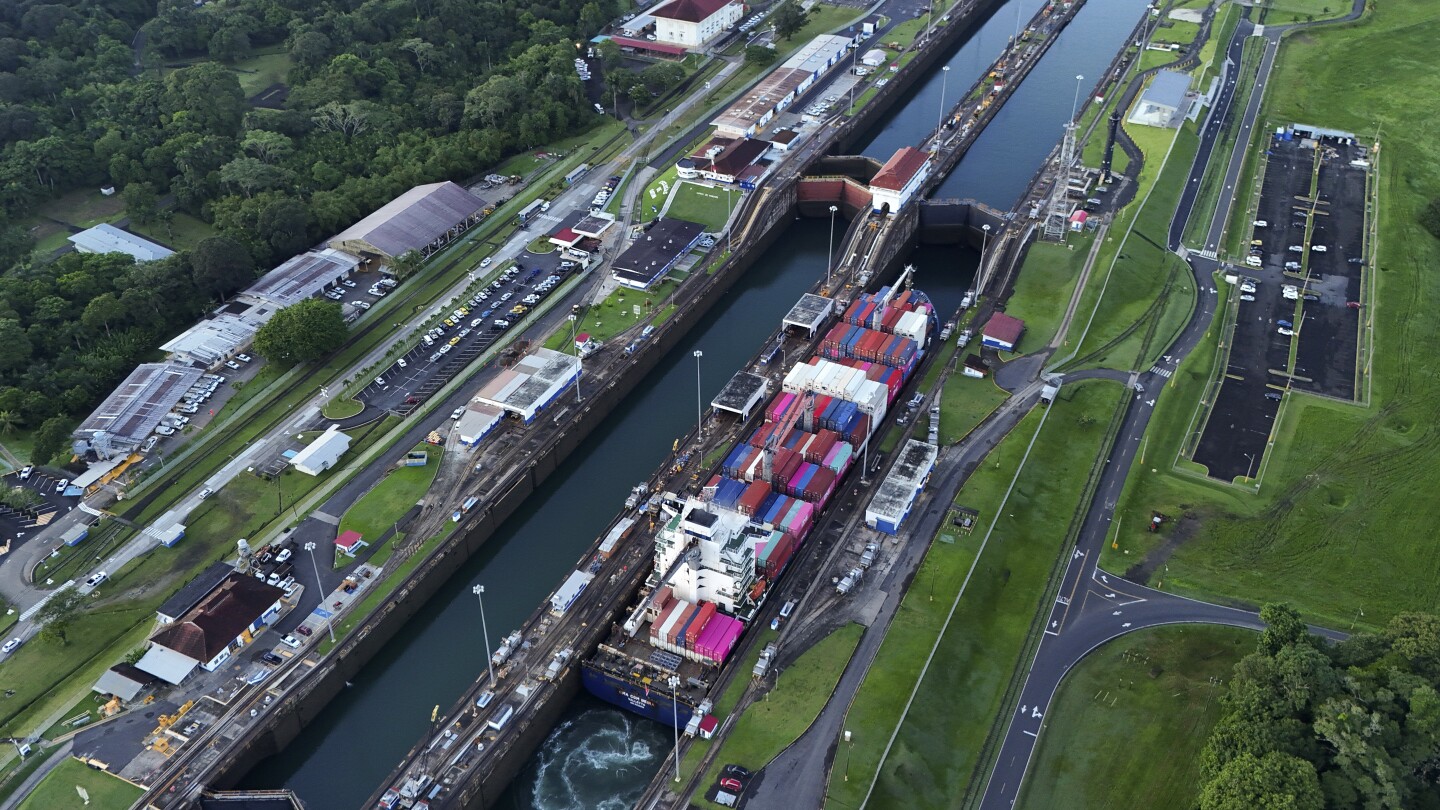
(598, 758)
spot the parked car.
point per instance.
(272, 658)
(1287, 332)
(61, 485)
(232, 364)
(1274, 396)
(284, 555)
(291, 641)
(457, 413)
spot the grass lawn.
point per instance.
(48, 677)
(651, 200)
(705, 205)
(378, 509)
(182, 232)
(1148, 293)
(1145, 693)
(616, 314)
(20, 443)
(342, 408)
(262, 70)
(1044, 286)
(83, 207)
(87, 707)
(778, 719)
(57, 790)
(937, 748)
(1334, 530)
(964, 403)
(1279, 12)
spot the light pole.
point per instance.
(729, 224)
(579, 362)
(830, 257)
(849, 743)
(1250, 466)
(1075, 105)
(329, 625)
(479, 591)
(699, 413)
(984, 243)
(675, 719)
(940, 119)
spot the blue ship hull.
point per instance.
(632, 697)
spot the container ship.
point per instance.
(718, 553)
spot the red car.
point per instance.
(303, 630)
(731, 784)
(1353, 304)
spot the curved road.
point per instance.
(1093, 606)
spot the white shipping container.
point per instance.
(912, 325)
(799, 378)
(871, 399)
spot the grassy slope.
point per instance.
(57, 790)
(1335, 526)
(771, 724)
(1145, 693)
(937, 747)
(1044, 287)
(378, 509)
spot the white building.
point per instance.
(721, 565)
(1163, 104)
(106, 238)
(534, 382)
(899, 179)
(693, 23)
(322, 453)
(897, 493)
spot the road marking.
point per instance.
(1032, 734)
(1163, 372)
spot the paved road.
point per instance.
(1093, 606)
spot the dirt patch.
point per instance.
(272, 97)
(1179, 533)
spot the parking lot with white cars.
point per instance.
(471, 326)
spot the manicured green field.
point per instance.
(1044, 286)
(261, 71)
(1335, 530)
(378, 509)
(1129, 721)
(965, 403)
(705, 205)
(777, 720)
(57, 790)
(1148, 292)
(938, 746)
(181, 232)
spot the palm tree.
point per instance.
(8, 421)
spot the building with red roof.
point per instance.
(693, 23)
(899, 179)
(349, 542)
(1002, 332)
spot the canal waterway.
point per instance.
(599, 756)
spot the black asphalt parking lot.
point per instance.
(421, 376)
(17, 526)
(1235, 435)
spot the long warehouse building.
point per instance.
(897, 493)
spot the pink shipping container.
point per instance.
(799, 524)
(718, 640)
(779, 407)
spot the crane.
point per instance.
(902, 281)
(806, 406)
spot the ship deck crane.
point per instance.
(806, 406)
(902, 282)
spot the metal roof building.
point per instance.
(106, 238)
(423, 219)
(654, 253)
(1163, 103)
(321, 454)
(301, 277)
(809, 312)
(217, 337)
(741, 394)
(134, 409)
(531, 384)
(897, 493)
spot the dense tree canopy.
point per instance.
(1312, 725)
(302, 332)
(384, 95)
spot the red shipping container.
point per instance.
(775, 560)
(754, 495)
(660, 620)
(818, 490)
(707, 609)
(836, 335)
(853, 311)
(663, 597)
(785, 465)
(676, 629)
(869, 348)
(892, 317)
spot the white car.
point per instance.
(62, 484)
(380, 381)
(457, 413)
(97, 579)
(292, 642)
(1286, 331)
(1318, 248)
(244, 358)
(12, 644)
(26, 472)
(284, 555)
(401, 362)
(485, 262)
(206, 492)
